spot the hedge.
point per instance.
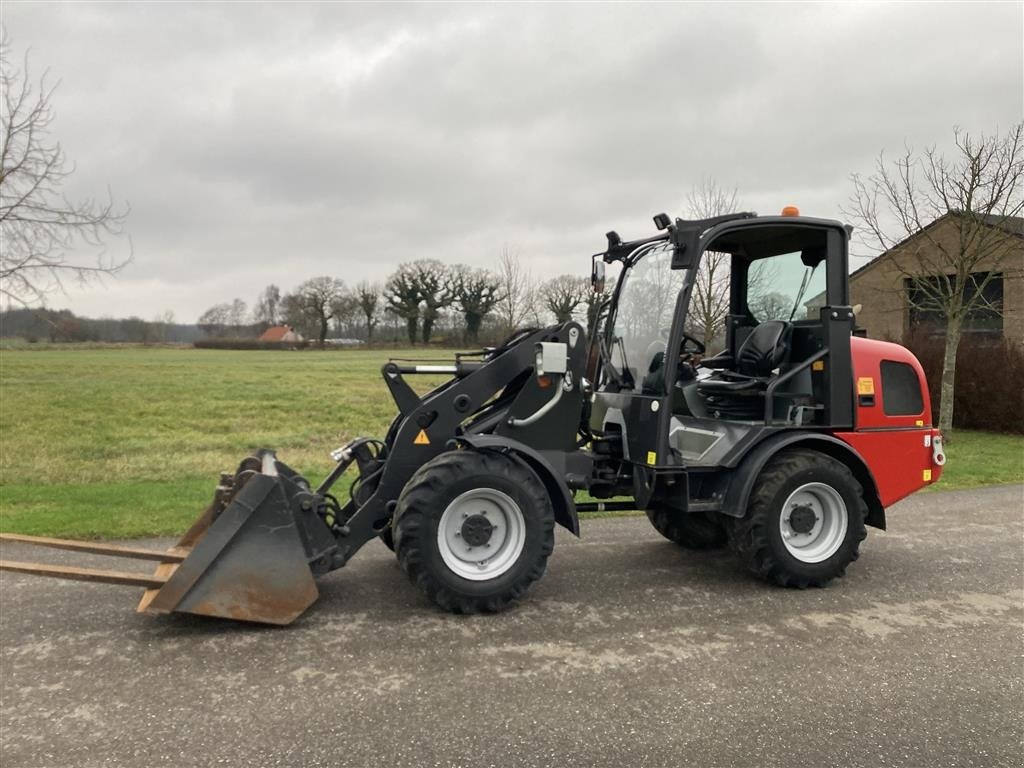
(989, 393)
(249, 344)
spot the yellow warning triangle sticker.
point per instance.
(421, 438)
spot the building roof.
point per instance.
(1014, 225)
(275, 333)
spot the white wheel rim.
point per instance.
(481, 561)
(828, 530)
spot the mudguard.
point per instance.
(561, 498)
(737, 495)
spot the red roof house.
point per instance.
(280, 333)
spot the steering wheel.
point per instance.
(697, 347)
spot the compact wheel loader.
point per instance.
(783, 446)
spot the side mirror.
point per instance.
(684, 256)
(686, 244)
(597, 276)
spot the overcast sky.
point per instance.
(269, 143)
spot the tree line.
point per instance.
(63, 326)
(421, 301)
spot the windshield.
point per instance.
(643, 318)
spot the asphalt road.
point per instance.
(630, 652)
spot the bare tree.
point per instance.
(562, 295)
(771, 306)
(344, 311)
(477, 292)
(709, 301)
(161, 325)
(764, 300)
(39, 225)
(294, 312)
(978, 190)
(436, 286)
(402, 294)
(318, 299)
(214, 320)
(237, 316)
(267, 306)
(518, 290)
(368, 298)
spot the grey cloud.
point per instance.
(264, 143)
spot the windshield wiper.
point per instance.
(803, 287)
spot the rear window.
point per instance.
(901, 390)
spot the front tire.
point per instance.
(474, 530)
(804, 523)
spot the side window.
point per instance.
(783, 287)
(901, 390)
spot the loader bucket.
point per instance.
(242, 559)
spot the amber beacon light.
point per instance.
(790, 210)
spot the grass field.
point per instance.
(129, 441)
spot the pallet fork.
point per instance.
(242, 559)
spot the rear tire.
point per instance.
(691, 531)
(474, 530)
(804, 523)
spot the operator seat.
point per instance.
(738, 394)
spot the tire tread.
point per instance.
(690, 531)
(748, 536)
(423, 496)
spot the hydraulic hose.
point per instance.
(540, 412)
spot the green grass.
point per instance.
(981, 458)
(123, 442)
(130, 441)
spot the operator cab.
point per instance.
(782, 359)
(777, 289)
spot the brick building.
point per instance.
(882, 288)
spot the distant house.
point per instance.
(886, 295)
(281, 333)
